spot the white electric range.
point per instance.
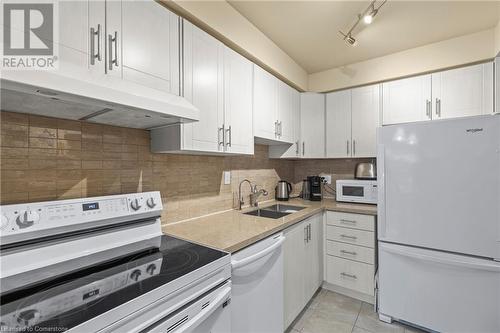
(103, 265)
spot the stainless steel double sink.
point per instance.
(275, 211)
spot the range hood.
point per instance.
(110, 101)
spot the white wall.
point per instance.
(449, 53)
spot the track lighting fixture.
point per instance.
(367, 16)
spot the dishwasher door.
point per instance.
(257, 292)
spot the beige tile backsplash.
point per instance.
(47, 158)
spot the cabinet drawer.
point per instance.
(350, 274)
(348, 251)
(355, 221)
(351, 236)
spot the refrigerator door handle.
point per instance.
(488, 265)
(381, 190)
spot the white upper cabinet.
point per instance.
(365, 106)
(203, 86)
(285, 112)
(218, 81)
(312, 125)
(466, 91)
(265, 104)
(407, 100)
(149, 42)
(238, 81)
(273, 108)
(338, 124)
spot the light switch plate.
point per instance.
(227, 177)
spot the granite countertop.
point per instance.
(232, 231)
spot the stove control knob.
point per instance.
(135, 204)
(151, 269)
(5, 222)
(151, 202)
(136, 273)
(27, 218)
(28, 317)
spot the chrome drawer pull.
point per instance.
(347, 236)
(352, 276)
(348, 252)
(348, 221)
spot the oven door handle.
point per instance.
(206, 312)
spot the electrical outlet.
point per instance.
(327, 179)
(227, 177)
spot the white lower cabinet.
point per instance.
(350, 254)
(303, 265)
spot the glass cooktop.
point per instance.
(75, 291)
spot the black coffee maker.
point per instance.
(315, 188)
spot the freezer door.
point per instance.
(439, 291)
(439, 184)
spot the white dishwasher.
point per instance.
(257, 290)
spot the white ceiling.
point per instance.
(308, 30)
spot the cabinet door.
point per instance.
(338, 124)
(314, 257)
(76, 44)
(238, 74)
(264, 104)
(150, 45)
(285, 112)
(203, 87)
(294, 271)
(365, 120)
(406, 100)
(461, 92)
(312, 125)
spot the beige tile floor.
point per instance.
(329, 312)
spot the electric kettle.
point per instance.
(283, 190)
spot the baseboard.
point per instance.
(348, 292)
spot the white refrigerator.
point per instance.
(439, 224)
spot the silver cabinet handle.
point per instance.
(93, 34)
(347, 221)
(219, 130)
(428, 105)
(438, 107)
(297, 147)
(113, 40)
(349, 237)
(303, 148)
(348, 252)
(352, 276)
(305, 235)
(276, 128)
(309, 231)
(230, 136)
(353, 147)
(280, 128)
(347, 147)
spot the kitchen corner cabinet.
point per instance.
(460, 92)
(273, 108)
(217, 81)
(303, 265)
(352, 118)
(312, 125)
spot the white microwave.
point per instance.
(356, 190)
